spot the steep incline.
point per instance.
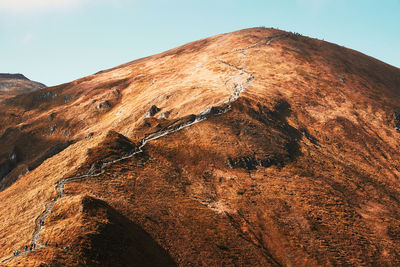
(211, 111)
(257, 147)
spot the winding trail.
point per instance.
(178, 125)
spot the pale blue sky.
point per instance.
(56, 41)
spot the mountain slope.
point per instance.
(15, 84)
(257, 147)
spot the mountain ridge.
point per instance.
(285, 172)
(17, 76)
(16, 84)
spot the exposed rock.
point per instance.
(165, 115)
(117, 92)
(229, 162)
(104, 104)
(53, 128)
(67, 133)
(47, 96)
(13, 157)
(396, 117)
(211, 111)
(67, 99)
(152, 111)
(250, 162)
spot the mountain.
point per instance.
(258, 147)
(15, 84)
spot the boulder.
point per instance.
(152, 111)
(165, 115)
(104, 104)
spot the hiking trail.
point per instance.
(178, 125)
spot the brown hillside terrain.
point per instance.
(16, 84)
(252, 148)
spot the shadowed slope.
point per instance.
(108, 239)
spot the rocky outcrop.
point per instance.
(216, 110)
(152, 111)
(165, 115)
(53, 128)
(103, 105)
(251, 163)
(396, 118)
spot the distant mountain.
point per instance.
(16, 84)
(253, 148)
(16, 76)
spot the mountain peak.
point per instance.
(12, 85)
(258, 147)
(17, 76)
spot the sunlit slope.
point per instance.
(257, 147)
(16, 84)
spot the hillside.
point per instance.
(258, 147)
(16, 84)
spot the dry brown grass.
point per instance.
(329, 197)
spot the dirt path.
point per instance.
(174, 127)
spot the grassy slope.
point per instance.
(330, 197)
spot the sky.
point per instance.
(57, 41)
